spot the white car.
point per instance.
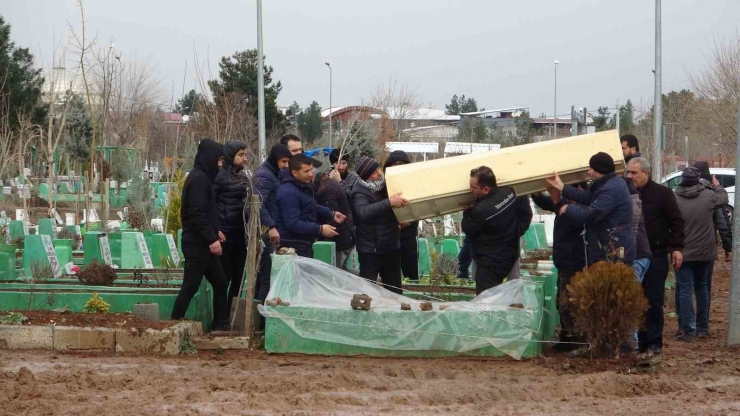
(725, 176)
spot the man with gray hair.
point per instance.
(665, 231)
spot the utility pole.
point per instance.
(658, 107)
(686, 139)
(555, 107)
(260, 85)
(733, 333)
(331, 110)
(616, 117)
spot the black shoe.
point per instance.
(655, 350)
(679, 333)
(686, 337)
(642, 349)
(626, 348)
(221, 327)
(702, 334)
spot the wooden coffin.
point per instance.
(440, 186)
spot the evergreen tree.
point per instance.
(461, 104)
(189, 103)
(309, 122)
(79, 133)
(602, 121)
(524, 130)
(19, 80)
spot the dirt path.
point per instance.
(702, 378)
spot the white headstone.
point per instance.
(94, 215)
(121, 216)
(19, 214)
(173, 249)
(105, 249)
(78, 230)
(69, 219)
(7, 190)
(51, 255)
(144, 251)
(57, 217)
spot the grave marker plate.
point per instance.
(144, 251)
(105, 249)
(51, 255)
(173, 249)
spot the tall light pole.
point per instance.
(658, 108)
(260, 85)
(327, 63)
(733, 333)
(555, 107)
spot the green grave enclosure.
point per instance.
(326, 252)
(91, 247)
(18, 296)
(179, 244)
(134, 254)
(114, 239)
(63, 248)
(535, 237)
(33, 253)
(47, 226)
(396, 333)
(7, 262)
(160, 249)
(15, 228)
(425, 257)
(450, 246)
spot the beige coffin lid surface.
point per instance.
(440, 186)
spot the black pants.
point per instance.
(567, 323)
(654, 287)
(195, 268)
(388, 265)
(487, 276)
(464, 259)
(410, 258)
(263, 274)
(233, 260)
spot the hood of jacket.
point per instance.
(396, 156)
(209, 152)
(277, 152)
(231, 148)
(690, 191)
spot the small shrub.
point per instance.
(97, 274)
(607, 304)
(96, 304)
(444, 268)
(136, 219)
(13, 318)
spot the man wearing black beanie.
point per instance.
(605, 210)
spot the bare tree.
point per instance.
(399, 105)
(718, 86)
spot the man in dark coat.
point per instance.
(201, 238)
(569, 256)
(630, 147)
(665, 231)
(377, 236)
(230, 189)
(697, 204)
(606, 211)
(330, 194)
(493, 226)
(409, 230)
(346, 178)
(299, 216)
(266, 182)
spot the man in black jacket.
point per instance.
(330, 194)
(377, 228)
(630, 147)
(665, 231)
(409, 230)
(569, 256)
(493, 226)
(201, 238)
(232, 188)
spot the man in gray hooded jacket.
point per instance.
(697, 204)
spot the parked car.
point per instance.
(725, 176)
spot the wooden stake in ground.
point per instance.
(254, 239)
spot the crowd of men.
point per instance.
(620, 218)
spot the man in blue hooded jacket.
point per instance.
(299, 216)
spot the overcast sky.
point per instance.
(499, 52)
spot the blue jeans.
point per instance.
(692, 280)
(641, 267)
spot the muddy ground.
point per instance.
(702, 378)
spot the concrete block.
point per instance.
(149, 341)
(148, 311)
(222, 343)
(26, 337)
(67, 338)
(191, 328)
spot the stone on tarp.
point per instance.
(361, 302)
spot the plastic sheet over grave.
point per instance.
(507, 317)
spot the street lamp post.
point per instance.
(555, 107)
(658, 119)
(327, 63)
(260, 86)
